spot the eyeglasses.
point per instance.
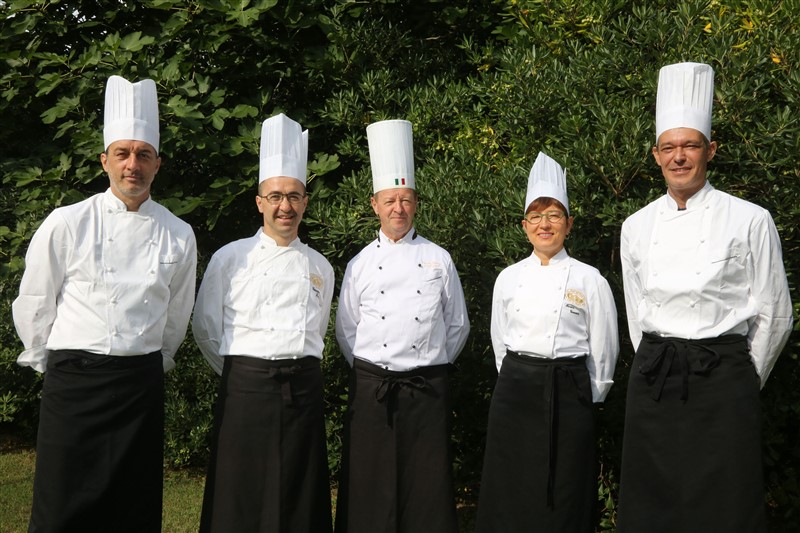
(553, 217)
(276, 198)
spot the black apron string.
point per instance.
(387, 391)
(553, 366)
(657, 367)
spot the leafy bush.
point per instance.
(487, 84)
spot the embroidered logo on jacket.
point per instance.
(575, 297)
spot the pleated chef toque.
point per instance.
(131, 112)
(685, 96)
(546, 178)
(284, 149)
(391, 154)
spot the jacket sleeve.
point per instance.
(347, 315)
(632, 286)
(34, 310)
(455, 314)
(207, 321)
(769, 288)
(181, 299)
(603, 338)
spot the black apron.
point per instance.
(99, 449)
(396, 468)
(691, 454)
(539, 471)
(269, 463)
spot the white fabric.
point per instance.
(546, 179)
(131, 112)
(106, 280)
(284, 149)
(261, 300)
(391, 154)
(685, 97)
(401, 305)
(561, 310)
(715, 268)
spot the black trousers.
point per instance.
(539, 471)
(99, 449)
(269, 462)
(691, 453)
(396, 470)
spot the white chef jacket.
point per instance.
(712, 269)
(561, 310)
(401, 305)
(261, 300)
(106, 280)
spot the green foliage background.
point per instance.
(487, 84)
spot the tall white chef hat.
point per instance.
(284, 149)
(546, 178)
(685, 95)
(131, 112)
(391, 154)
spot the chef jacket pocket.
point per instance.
(431, 275)
(167, 264)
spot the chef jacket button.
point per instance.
(141, 333)
(383, 318)
(110, 239)
(655, 242)
(691, 305)
(380, 268)
(294, 357)
(152, 271)
(419, 265)
(382, 292)
(658, 304)
(416, 318)
(419, 292)
(146, 301)
(384, 346)
(697, 272)
(414, 346)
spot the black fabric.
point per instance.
(269, 462)
(99, 449)
(396, 468)
(539, 470)
(691, 456)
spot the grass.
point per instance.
(183, 494)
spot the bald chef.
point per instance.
(103, 307)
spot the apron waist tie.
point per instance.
(387, 391)
(657, 367)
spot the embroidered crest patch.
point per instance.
(575, 297)
(316, 281)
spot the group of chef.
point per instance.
(109, 288)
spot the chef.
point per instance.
(401, 321)
(103, 306)
(554, 334)
(260, 320)
(708, 312)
